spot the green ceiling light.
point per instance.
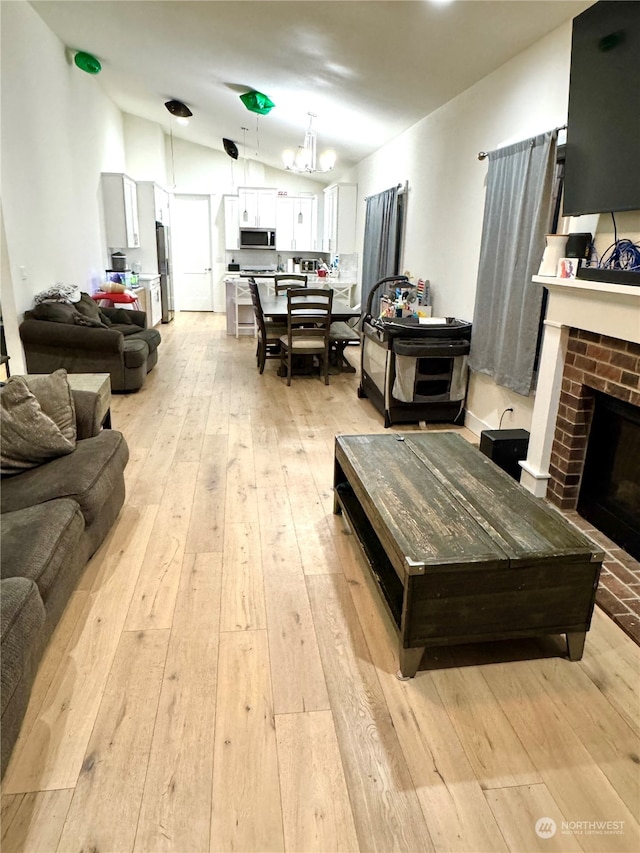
(256, 102)
(88, 63)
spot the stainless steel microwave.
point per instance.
(257, 238)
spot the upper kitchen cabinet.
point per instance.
(231, 227)
(120, 199)
(161, 203)
(257, 207)
(339, 236)
(297, 224)
(153, 206)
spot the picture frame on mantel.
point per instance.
(568, 267)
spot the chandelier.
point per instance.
(305, 158)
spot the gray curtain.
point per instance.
(516, 218)
(380, 240)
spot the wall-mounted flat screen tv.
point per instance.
(602, 168)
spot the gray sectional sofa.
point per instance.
(54, 517)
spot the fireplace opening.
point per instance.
(610, 492)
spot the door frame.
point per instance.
(212, 236)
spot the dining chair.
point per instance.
(287, 281)
(308, 322)
(341, 333)
(268, 333)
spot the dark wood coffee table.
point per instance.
(461, 552)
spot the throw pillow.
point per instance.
(54, 312)
(29, 436)
(121, 315)
(82, 320)
(88, 307)
(54, 395)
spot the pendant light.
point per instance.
(245, 212)
(306, 158)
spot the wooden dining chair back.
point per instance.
(308, 324)
(287, 281)
(268, 333)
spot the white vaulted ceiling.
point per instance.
(368, 69)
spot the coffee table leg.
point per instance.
(575, 644)
(409, 662)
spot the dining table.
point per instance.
(275, 308)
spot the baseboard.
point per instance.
(474, 424)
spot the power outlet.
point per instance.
(23, 273)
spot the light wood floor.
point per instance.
(224, 676)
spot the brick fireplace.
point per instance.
(591, 340)
(593, 362)
(591, 345)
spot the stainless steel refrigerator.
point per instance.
(164, 268)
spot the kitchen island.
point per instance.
(237, 296)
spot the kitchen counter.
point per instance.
(344, 288)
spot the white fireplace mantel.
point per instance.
(607, 309)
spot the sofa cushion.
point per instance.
(29, 436)
(122, 316)
(53, 393)
(151, 337)
(88, 476)
(127, 329)
(23, 616)
(135, 353)
(40, 541)
(63, 312)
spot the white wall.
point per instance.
(145, 150)
(445, 204)
(59, 132)
(196, 169)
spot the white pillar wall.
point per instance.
(535, 469)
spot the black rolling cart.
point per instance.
(412, 371)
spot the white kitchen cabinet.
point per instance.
(257, 207)
(153, 206)
(120, 198)
(231, 224)
(340, 219)
(284, 225)
(161, 204)
(155, 303)
(297, 224)
(150, 300)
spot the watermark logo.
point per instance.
(546, 827)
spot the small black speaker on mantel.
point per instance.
(505, 447)
(578, 246)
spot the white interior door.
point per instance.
(191, 252)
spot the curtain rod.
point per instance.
(402, 188)
(482, 155)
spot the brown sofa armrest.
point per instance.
(70, 337)
(87, 413)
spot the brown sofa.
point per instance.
(54, 517)
(83, 338)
